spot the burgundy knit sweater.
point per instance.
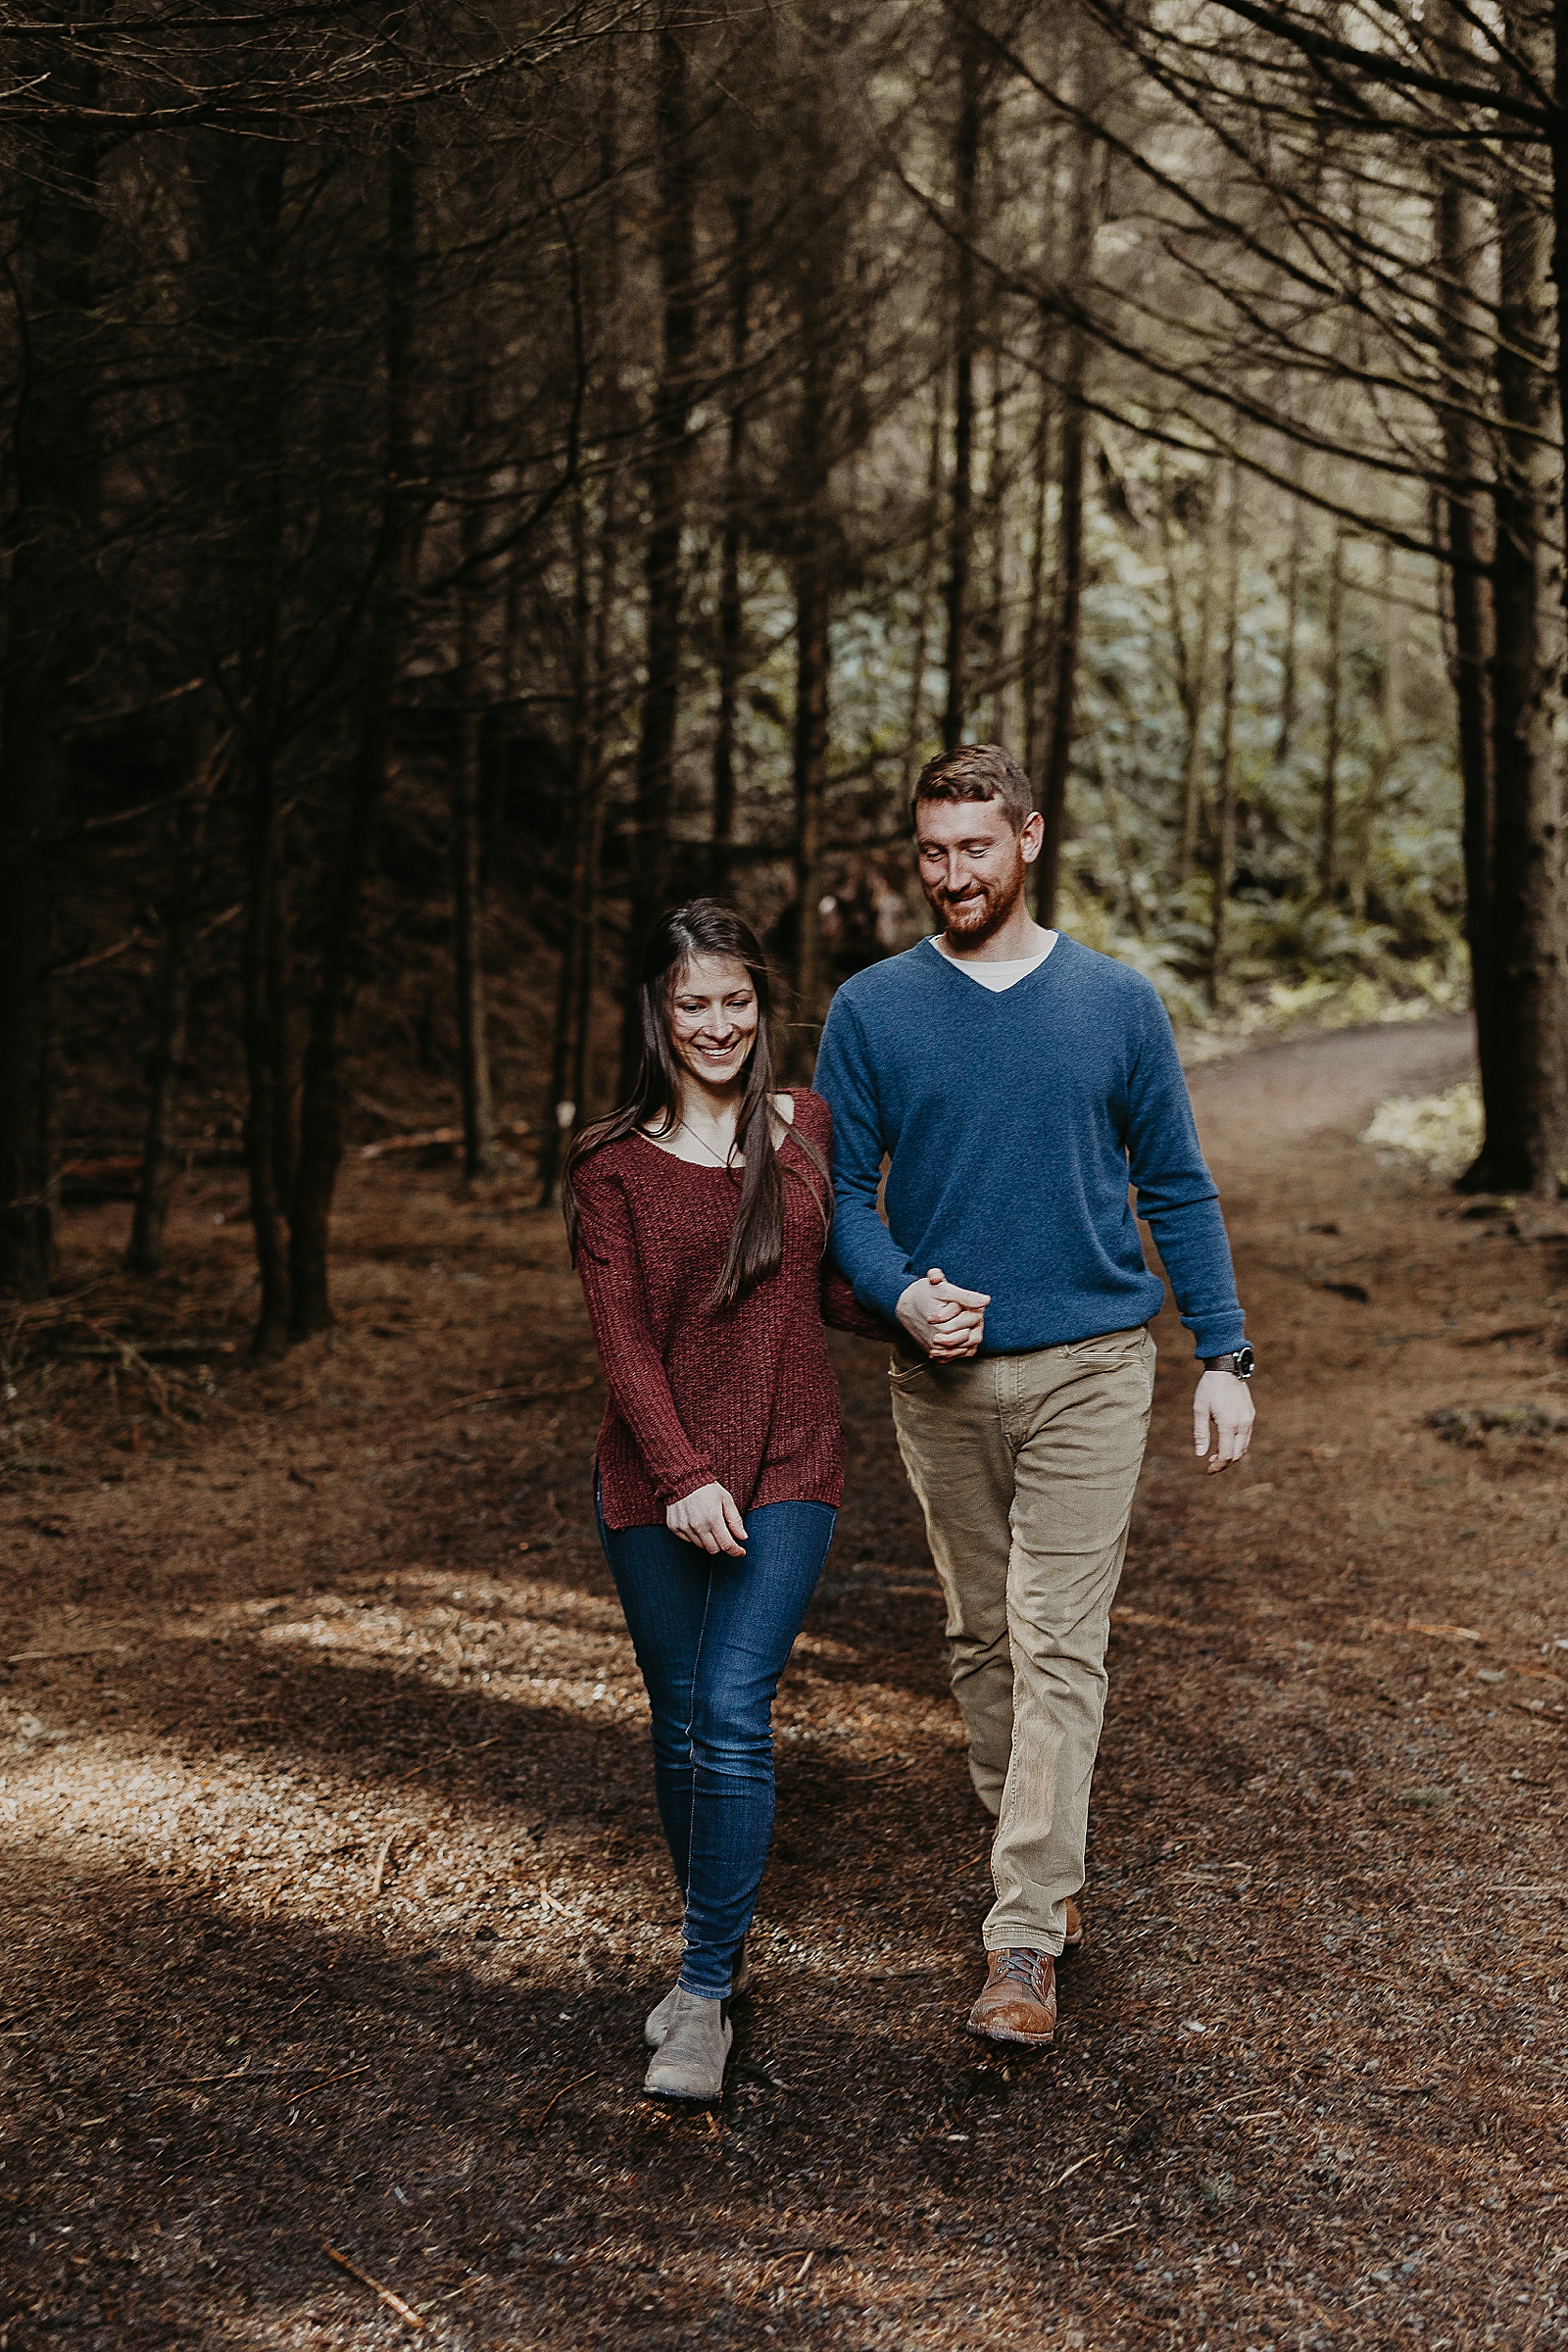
(745, 1396)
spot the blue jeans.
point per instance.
(713, 1635)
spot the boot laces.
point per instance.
(1024, 1968)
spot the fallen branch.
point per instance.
(311, 2088)
(381, 1867)
(1092, 2158)
(404, 2310)
(566, 1388)
(1502, 1331)
(85, 963)
(427, 1137)
(561, 2092)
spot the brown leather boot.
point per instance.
(1074, 1943)
(1019, 2001)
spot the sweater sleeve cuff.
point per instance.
(676, 1485)
(882, 1289)
(1218, 1335)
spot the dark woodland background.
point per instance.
(473, 475)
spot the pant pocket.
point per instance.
(1110, 1347)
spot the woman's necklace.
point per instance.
(721, 1161)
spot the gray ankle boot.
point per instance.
(689, 2063)
(659, 2017)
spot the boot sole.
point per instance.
(1028, 2041)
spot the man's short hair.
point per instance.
(976, 772)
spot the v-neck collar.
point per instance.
(998, 996)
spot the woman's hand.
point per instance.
(944, 1321)
(711, 1519)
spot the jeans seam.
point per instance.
(691, 1710)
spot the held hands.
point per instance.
(945, 1322)
(1227, 1402)
(711, 1519)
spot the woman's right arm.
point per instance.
(634, 1372)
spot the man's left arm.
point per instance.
(1178, 1198)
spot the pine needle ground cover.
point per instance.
(334, 1892)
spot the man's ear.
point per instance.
(1032, 838)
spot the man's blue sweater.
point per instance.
(1013, 1121)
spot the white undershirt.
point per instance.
(997, 975)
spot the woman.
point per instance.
(698, 1216)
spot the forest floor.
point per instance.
(334, 1895)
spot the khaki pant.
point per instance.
(1025, 1466)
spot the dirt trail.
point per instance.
(334, 1892)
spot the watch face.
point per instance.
(1245, 1361)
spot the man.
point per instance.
(1014, 1081)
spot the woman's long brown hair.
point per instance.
(704, 927)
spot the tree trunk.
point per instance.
(53, 619)
(1225, 796)
(1285, 741)
(811, 761)
(1461, 236)
(811, 479)
(1328, 837)
(166, 1074)
(996, 634)
(960, 535)
(322, 1107)
(257, 972)
(321, 1148)
(583, 1066)
(731, 612)
(281, 999)
(1387, 749)
(1069, 630)
(1034, 652)
(913, 737)
(480, 1158)
(667, 467)
(1191, 674)
(1527, 1150)
(561, 1110)
(1131, 901)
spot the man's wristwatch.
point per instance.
(1241, 1362)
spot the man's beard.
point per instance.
(981, 913)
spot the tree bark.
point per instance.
(1225, 794)
(731, 612)
(1387, 749)
(53, 619)
(667, 472)
(1460, 239)
(480, 1157)
(166, 1072)
(271, 1333)
(1328, 836)
(245, 204)
(998, 547)
(1068, 630)
(813, 471)
(1285, 741)
(960, 532)
(1527, 1150)
(925, 599)
(1034, 652)
(1191, 676)
(322, 1105)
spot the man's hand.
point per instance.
(709, 1519)
(1227, 1402)
(945, 1322)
